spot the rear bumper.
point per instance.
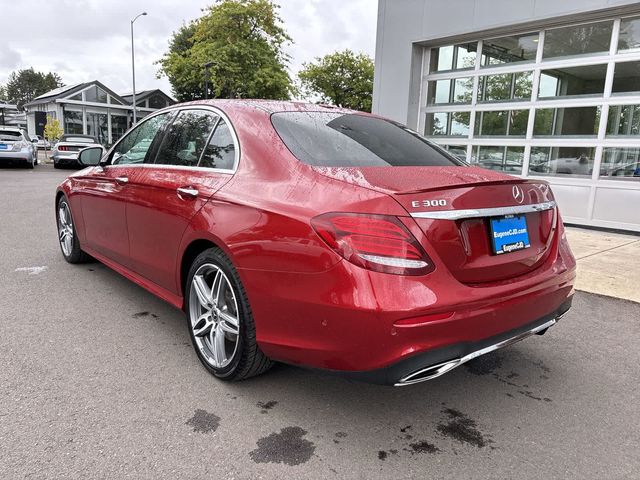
(434, 363)
(381, 327)
(66, 160)
(15, 157)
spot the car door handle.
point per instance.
(122, 180)
(188, 192)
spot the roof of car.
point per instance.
(269, 106)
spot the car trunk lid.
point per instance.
(454, 206)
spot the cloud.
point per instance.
(84, 40)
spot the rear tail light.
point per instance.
(63, 148)
(376, 242)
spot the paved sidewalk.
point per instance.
(608, 263)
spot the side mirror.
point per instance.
(34, 140)
(90, 156)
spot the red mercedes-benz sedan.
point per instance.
(320, 237)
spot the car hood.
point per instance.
(399, 180)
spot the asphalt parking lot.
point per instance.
(99, 380)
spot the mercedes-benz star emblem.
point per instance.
(518, 194)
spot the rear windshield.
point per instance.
(328, 139)
(10, 136)
(78, 139)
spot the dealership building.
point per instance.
(536, 88)
(91, 108)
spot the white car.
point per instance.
(17, 148)
(65, 153)
(41, 142)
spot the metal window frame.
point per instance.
(607, 100)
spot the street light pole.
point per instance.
(206, 79)
(133, 69)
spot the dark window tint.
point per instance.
(221, 151)
(10, 136)
(186, 138)
(134, 147)
(352, 140)
(157, 101)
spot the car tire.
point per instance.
(56, 165)
(231, 327)
(31, 164)
(67, 237)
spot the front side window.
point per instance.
(186, 138)
(325, 139)
(135, 146)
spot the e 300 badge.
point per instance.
(428, 203)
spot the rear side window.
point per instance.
(186, 138)
(221, 150)
(328, 139)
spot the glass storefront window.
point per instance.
(588, 39)
(576, 121)
(73, 122)
(501, 123)
(585, 80)
(458, 151)
(119, 126)
(626, 78)
(623, 120)
(511, 49)
(97, 126)
(562, 161)
(95, 94)
(454, 124)
(505, 87)
(458, 90)
(629, 38)
(453, 57)
(619, 162)
(504, 159)
(157, 102)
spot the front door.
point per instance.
(104, 192)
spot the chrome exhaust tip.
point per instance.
(434, 371)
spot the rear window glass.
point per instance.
(328, 139)
(79, 139)
(10, 136)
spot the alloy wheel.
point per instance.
(65, 229)
(213, 309)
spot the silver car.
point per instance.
(65, 153)
(16, 148)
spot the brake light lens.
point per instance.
(63, 148)
(376, 242)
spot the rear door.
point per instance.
(104, 191)
(196, 157)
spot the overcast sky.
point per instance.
(86, 40)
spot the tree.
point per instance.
(341, 78)
(52, 129)
(244, 42)
(25, 85)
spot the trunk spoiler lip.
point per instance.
(508, 181)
